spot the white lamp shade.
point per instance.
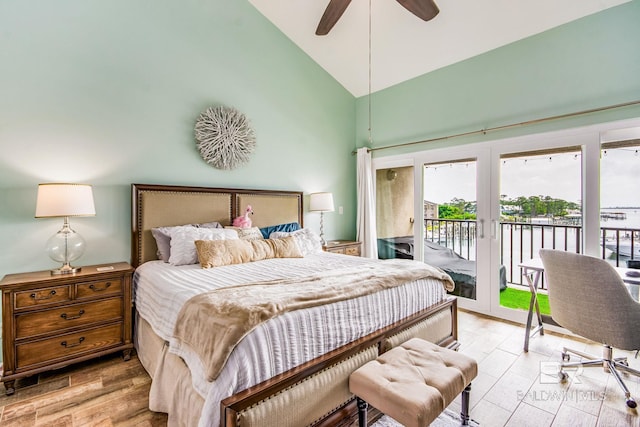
(321, 202)
(59, 200)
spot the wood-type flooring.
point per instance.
(512, 388)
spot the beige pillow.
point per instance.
(251, 233)
(216, 253)
(275, 248)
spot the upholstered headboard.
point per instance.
(168, 205)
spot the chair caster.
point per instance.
(631, 403)
(563, 376)
(566, 357)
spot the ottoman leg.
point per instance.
(464, 415)
(362, 412)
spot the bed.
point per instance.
(461, 270)
(276, 374)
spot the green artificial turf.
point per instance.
(515, 298)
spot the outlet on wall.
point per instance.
(340, 210)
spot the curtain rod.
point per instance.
(503, 127)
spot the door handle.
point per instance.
(481, 229)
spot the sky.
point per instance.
(620, 178)
(557, 175)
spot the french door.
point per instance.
(541, 197)
(456, 230)
(491, 205)
(461, 199)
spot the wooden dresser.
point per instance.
(347, 247)
(51, 321)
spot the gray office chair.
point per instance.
(588, 297)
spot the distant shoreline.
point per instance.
(623, 207)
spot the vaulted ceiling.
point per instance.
(402, 45)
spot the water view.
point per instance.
(521, 240)
(540, 205)
(631, 218)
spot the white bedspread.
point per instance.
(161, 289)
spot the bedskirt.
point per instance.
(172, 391)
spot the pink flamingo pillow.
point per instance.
(244, 221)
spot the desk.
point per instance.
(532, 270)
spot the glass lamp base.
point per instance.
(65, 246)
(324, 242)
(65, 269)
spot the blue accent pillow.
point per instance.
(292, 226)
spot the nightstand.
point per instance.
(347, 247)
(52, 321)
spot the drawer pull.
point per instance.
(65, 317)
(36, 298)
(106, 286)
(65, 345)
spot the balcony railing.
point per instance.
(619, 241)
(456, 234)
(520, 241)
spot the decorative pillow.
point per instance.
(251, 233)
(163, 237)
(183, 249)
(212, 224)
(216, 253)
(275, 248)
(291, 226)
(308, 241)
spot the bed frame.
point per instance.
(314, 393)
(169, 205)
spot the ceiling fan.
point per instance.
(423, 9)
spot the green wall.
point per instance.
(589, 63)
(107, 93)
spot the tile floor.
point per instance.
(514, 388)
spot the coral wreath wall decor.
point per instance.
(224, 137)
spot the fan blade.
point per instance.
(423, 9)
(331, 14)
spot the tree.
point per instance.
(448, 212)
(540, 205)
(457, 209)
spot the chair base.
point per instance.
(607, 362)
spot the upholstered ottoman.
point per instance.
(414, 382)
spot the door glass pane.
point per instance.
(540, 207)
(620, 202)
(394, 212)
(450, 222)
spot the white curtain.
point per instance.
(366, 206)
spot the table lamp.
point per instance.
(321, 202)
(65, 200)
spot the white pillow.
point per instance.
(308, 241)
(183, 247)
(163, 237)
